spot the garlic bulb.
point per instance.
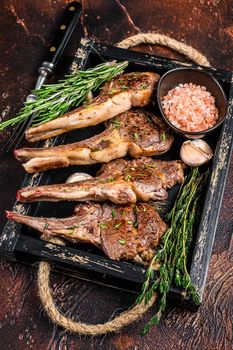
(76, 177)
(195, 152)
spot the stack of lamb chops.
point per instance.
(121, 227)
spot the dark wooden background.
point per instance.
(26, 29)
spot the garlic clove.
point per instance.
(195, 152)
(76, 177)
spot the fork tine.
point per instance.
(13, 143)
(16, 133)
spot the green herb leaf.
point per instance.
(121, 241)
(135, 225)
(53, 100)
(113, 91)
(117, 225)
(135, 135)
(46, 226)
(74, 226)
(128, 177)
(173, 249)
(113, 214)
(151, 166)
(108, 179)
(143, 86)
(102, 225)
(163, 137)
(116, 123)
(149, 120)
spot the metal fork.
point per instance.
(66, 26)
(17, 135)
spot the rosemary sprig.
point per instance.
(172, 254)
(54, 100)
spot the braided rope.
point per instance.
(44, 270)
(45, 293)
(161, 39)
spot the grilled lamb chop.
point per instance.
(138, 133)
(119, 181)
(117, 96)
(122, 232)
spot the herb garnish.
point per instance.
(74, 226)
(117, 225)
(121, 241)
(135, 135)
(163, 137)
(113, 91)
(151, 166)
(128, 177)
(149, 120)
(54, 100)
(172, 254)
(108, 179)
(116, 123)
(113, 214)
(46, 226)
(143, 86)
(103, 226)
(135, 225)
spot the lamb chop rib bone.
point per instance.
(119, 181)
(136, 132)
(117, 96)
(122, 232)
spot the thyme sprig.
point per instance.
(173, 251)
(54, 100)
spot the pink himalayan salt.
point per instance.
(190, 107)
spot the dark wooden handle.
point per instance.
(65, 29)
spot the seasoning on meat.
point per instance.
(119, 139)
(117, 96)
(120, 181)
(93, 223)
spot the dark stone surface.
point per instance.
(25, 32)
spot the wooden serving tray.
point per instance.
(22, 244)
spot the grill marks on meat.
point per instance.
(117, 96)
(122, 232)
(136, 132)
(119, 181)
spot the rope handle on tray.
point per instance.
(164, 40)
(137, 311)
(45, 293)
